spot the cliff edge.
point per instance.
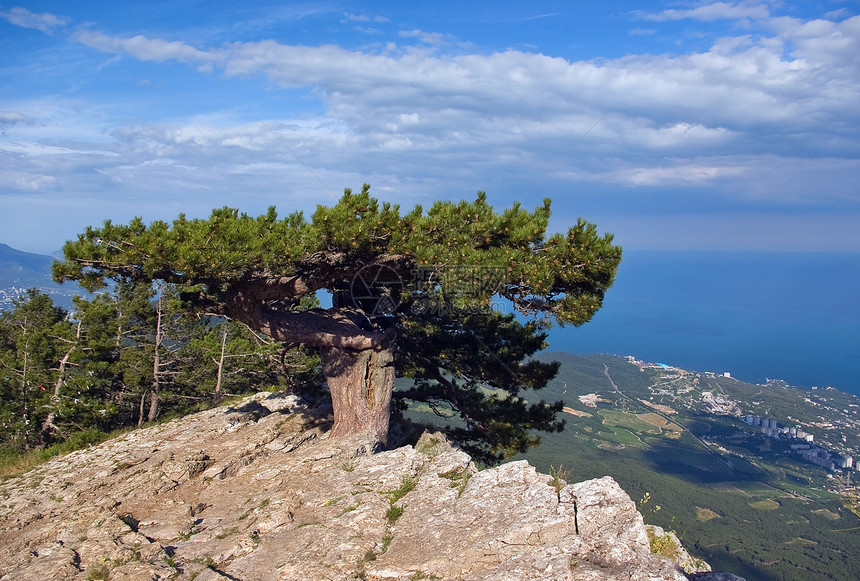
(258, 491)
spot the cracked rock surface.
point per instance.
(258, 491)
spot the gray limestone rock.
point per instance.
(259, 491)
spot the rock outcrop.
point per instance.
(258, 491)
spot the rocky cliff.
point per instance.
(258, 491)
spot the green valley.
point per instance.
(740, 496)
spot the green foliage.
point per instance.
(393, 513)
(459, 479)
(226, 354)
(69, 379)
(663, 545)
(478, 364)
(13, 461)
(419, 575)
(460, 264)
(563, 276)
(407, 485)
(100, 572)
(227, 533)
(32, 338)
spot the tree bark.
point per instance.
(216, 398)
(360, 383)
(357, 360)
(333, 327)
(154, 407)
(140, 410)
(154, 399)
(48, 427)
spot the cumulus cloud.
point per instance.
(755, 116)
(743, 91)
(823, 43)
(44, 22)
(740, 81)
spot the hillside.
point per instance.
(744, 500)
(27, 263)
(20, 271)
(749, 475)
(259, 491)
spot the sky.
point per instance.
(676, 125)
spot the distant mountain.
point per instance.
(15, 264)
(20, 271)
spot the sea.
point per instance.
(756, 315)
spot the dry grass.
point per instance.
(706, 514)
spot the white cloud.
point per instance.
(44, 22)
(10, 118)
(716, 11)
(836, 14)
(756, 117)
(538, 17)
(823, 43)
(679, 175)
(791, 181)
(350, 17)
(145, 49)
(31, 149)
(433, 38)
(356, 17)
(670, 137)
(477, 108)
(695, 100)
(27, 182)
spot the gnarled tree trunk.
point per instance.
(357, 361)
(360, 383)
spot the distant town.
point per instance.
(61, 296)
(681, 386)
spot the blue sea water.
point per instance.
(791, 316)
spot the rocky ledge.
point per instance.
(258, 491)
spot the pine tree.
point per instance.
(416, 294)
(36, 340)
(226, 352)
(90, 396)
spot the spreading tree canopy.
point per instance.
(456, 297)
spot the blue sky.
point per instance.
(674, 125)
